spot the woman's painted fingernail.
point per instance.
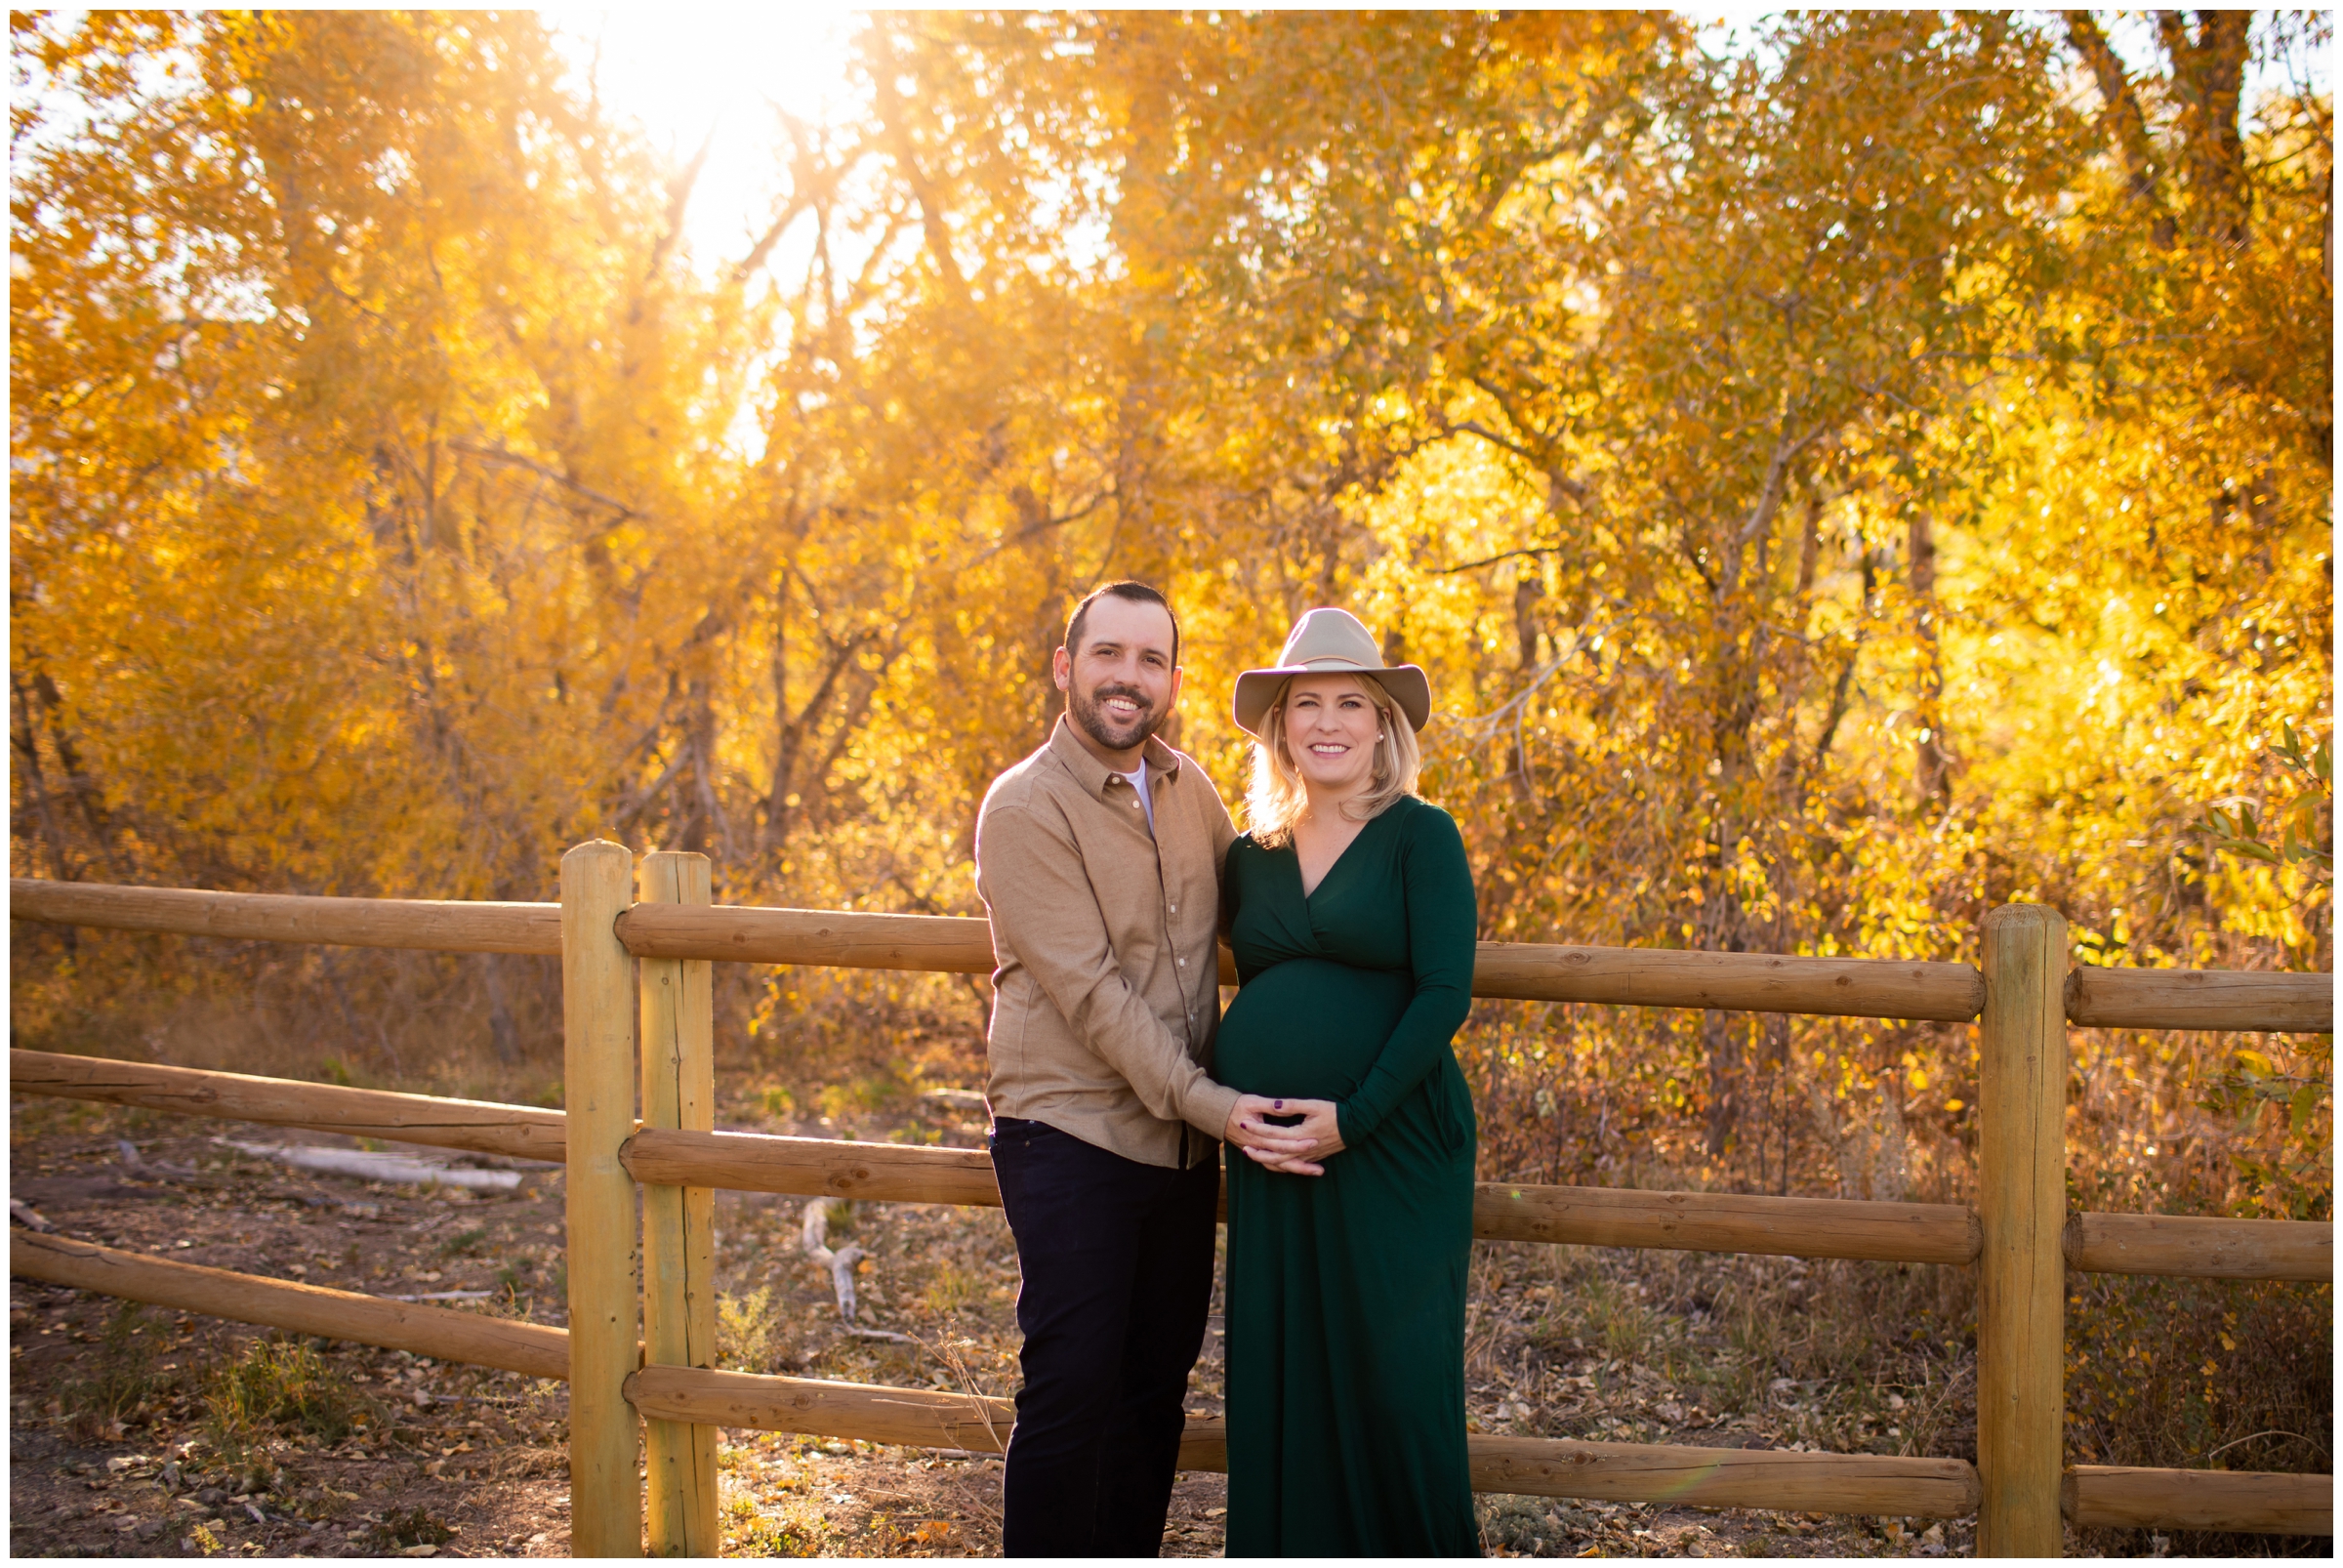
(1279, 1103)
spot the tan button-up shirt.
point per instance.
(1106, 996)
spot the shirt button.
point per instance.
(1175, 909)
(1183, 962)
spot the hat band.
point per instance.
(1338, 660)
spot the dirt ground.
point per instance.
(140, 1431)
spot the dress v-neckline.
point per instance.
(1309, 893)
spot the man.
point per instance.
(1100, 858)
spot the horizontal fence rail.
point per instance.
(1502, 1211)
(1539, 1466)
(481, 1127)
(1751, 982)
(2200, 1248)
(1724, 1477)
(534, 1348)
(1628, 976)
(446, 926)
(1527, 972)
(908, 1172)
(1623, 1472)
(1726, 1223)
(947, 944)
(2263, 1502)
(2247, 1000)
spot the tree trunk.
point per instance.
(2208, 76)
(1932, 758)
(1141, 223)
(52, 836)
(504, 1035)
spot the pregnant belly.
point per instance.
(1309, 1027)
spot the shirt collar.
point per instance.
(1092, 773)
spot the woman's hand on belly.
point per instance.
(1264, 1140)
(1317, 1136)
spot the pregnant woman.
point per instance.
(1350, 909)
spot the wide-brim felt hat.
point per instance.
(1332, 642)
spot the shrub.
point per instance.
(277, 1383)
(748, 1330)
(121, 1376)
(413, 1527)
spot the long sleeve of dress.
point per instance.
(1443, 926)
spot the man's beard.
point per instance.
(1089, 712)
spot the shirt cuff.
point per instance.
(1208, 1109)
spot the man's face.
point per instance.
(1121, 683)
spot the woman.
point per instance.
(1350, 908)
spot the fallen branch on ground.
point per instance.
(814, 1236)
(365, 1167)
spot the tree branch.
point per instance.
(497, 454)
(1491, 560)
(897, 129)
(2126, 125)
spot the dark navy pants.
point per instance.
(1116, 1260)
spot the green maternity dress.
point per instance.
(1345, 1310)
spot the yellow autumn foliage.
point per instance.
(1839, 481)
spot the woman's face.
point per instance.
(1330, 729)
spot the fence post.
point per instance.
(2021, 1209)
(678, 1224)
(598, 1053)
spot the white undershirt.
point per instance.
(1138, 779)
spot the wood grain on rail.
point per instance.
(2201, 998)
(924, 1418)
(841, 938)
(523, 1132)
(816, 1166)
(2179, 1246)
(1753, 982)
(2260, 1502)
(447, 927)
(433, 1331)
(1726, 1223)
(1724, 1477)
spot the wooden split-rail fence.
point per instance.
(646, 1397)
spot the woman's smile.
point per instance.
(1332, 725)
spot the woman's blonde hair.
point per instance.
(1277, 798)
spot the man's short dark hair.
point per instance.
(1139, 593)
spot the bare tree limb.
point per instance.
(1491, 560)
(896, 125)
(2126, 124)
(498, 454)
